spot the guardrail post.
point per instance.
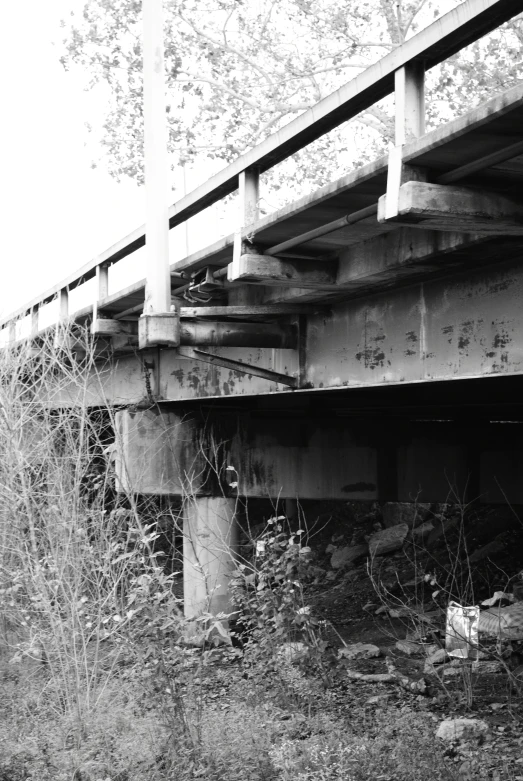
(249, 182)
(102, 282)
(63, 305)
(157, 325)
(60, 339)
(34, 322)
(101, 292)
(409, 82)
(249, 187)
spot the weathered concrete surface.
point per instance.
(305, 459)
(161, 453)
(158, 453)
(210, 538)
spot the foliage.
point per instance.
(237, 72)
(399, 748)
(277, 624)
(102, 677)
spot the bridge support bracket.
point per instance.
(245, 368)
(160, 329)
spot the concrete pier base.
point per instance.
(209, 542)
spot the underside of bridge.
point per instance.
(363, 343)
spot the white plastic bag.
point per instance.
(461, 637)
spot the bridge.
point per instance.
(364, 342)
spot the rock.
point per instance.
(439, 657)
(498, 597)
(419, 633)
(400, 612)
(488, 668)
(359, 651)
(378, 699)
(490, 549)
(331, 575)
(450, 672)
(462, 729)
(388, 540)
(442, 528)
(411, 513)
(421, 534)
(408, 647)
(344, 557)
(330, 548)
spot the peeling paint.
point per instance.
(423, 323)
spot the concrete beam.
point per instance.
(266, 270)
(446, 208)
(158, 453)
(400, 255)
(395, 257)
(304, 459)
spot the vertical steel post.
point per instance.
(157, 291)
(101, 292)
(158, 325)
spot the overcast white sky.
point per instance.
(56, 212)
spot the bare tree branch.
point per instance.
(227, 48)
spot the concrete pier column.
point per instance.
(210, 538)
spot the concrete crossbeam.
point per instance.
(446, 208)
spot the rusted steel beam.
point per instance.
(255, 310)
(231, 334)
(324, 230)
(237, 366)
(211, 333)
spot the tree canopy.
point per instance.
(238, 70)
